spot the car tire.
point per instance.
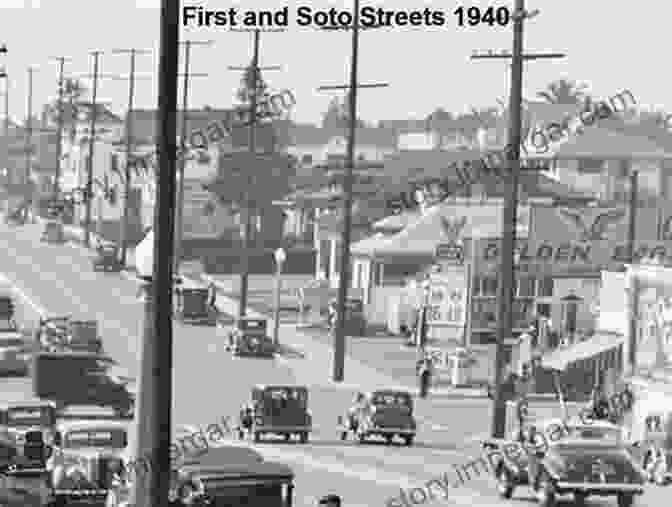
(408, 440)
(304, 437)
(344, 435)
(257, 437)
(361, 437)
(505, 484)
(389, 439)
(626, 499)
(580, 499)
(241, 434)
(546, 493)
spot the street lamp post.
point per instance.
(280, 258)
(422, 322)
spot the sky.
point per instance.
(609, 47)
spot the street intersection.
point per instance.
(209, 384)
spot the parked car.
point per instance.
(15, 349)
(27, 416)
(78, 378)
(249, 338)
(577, 466)
(277, 410)
(384, 413)
(88, 457)
(52, 332)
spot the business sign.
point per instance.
(584, 241)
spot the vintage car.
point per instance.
(78, 378)
(581, 467)
(53, 232)
(555, 429)
(222, 476)
(88, 457)
(22, 482)
(107, 259)
(384, 413)
(277, 410)
(31, 422)
(249, 338)
(192, 303)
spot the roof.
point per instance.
(600, 142)
(603, 341)
(398, 222)
(144, 126)
(234, 461)
(103, 114)
(420, 239)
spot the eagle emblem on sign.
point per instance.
(595, 230)
(452, 228)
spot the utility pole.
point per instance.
(344, 281)
(88, 200)
(246, 210)
(123, 233)
(179, 212)
(29, 125)
(59, 143)
(92, 144)
(632, 247)
(3, 74)
(506, 287)
(153, 413)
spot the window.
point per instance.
(591, 165)
(489, 286)
(525, 287)
(545, 287)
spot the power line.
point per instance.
(29, 125)
(344, 281)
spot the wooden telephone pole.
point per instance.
(153, 411)
(123, 233)
(59, 141)
(246, 209)
(29, 125)
(179, 211)
(344, 280)
(506, 287)
(88, 194)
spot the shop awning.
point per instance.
(602, 342)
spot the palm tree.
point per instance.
(564, 91)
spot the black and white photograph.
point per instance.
(342, 253)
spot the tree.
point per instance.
(73, 106)
(247, 86)
(337, 114)
(564, 91)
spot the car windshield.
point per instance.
(391, 400)
(28, 416)
(287, 394)
(115, 438)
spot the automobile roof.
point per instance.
(581, 444)
(92, 425)
(390, 391)
(575, 422)
(78, 355)
(263, 387)
(29, 403)
(234, 461)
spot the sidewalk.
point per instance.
(318, 357)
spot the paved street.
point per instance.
(210, 384)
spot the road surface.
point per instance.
(208, 384)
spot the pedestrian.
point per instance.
(212, 291)
(330, 501)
